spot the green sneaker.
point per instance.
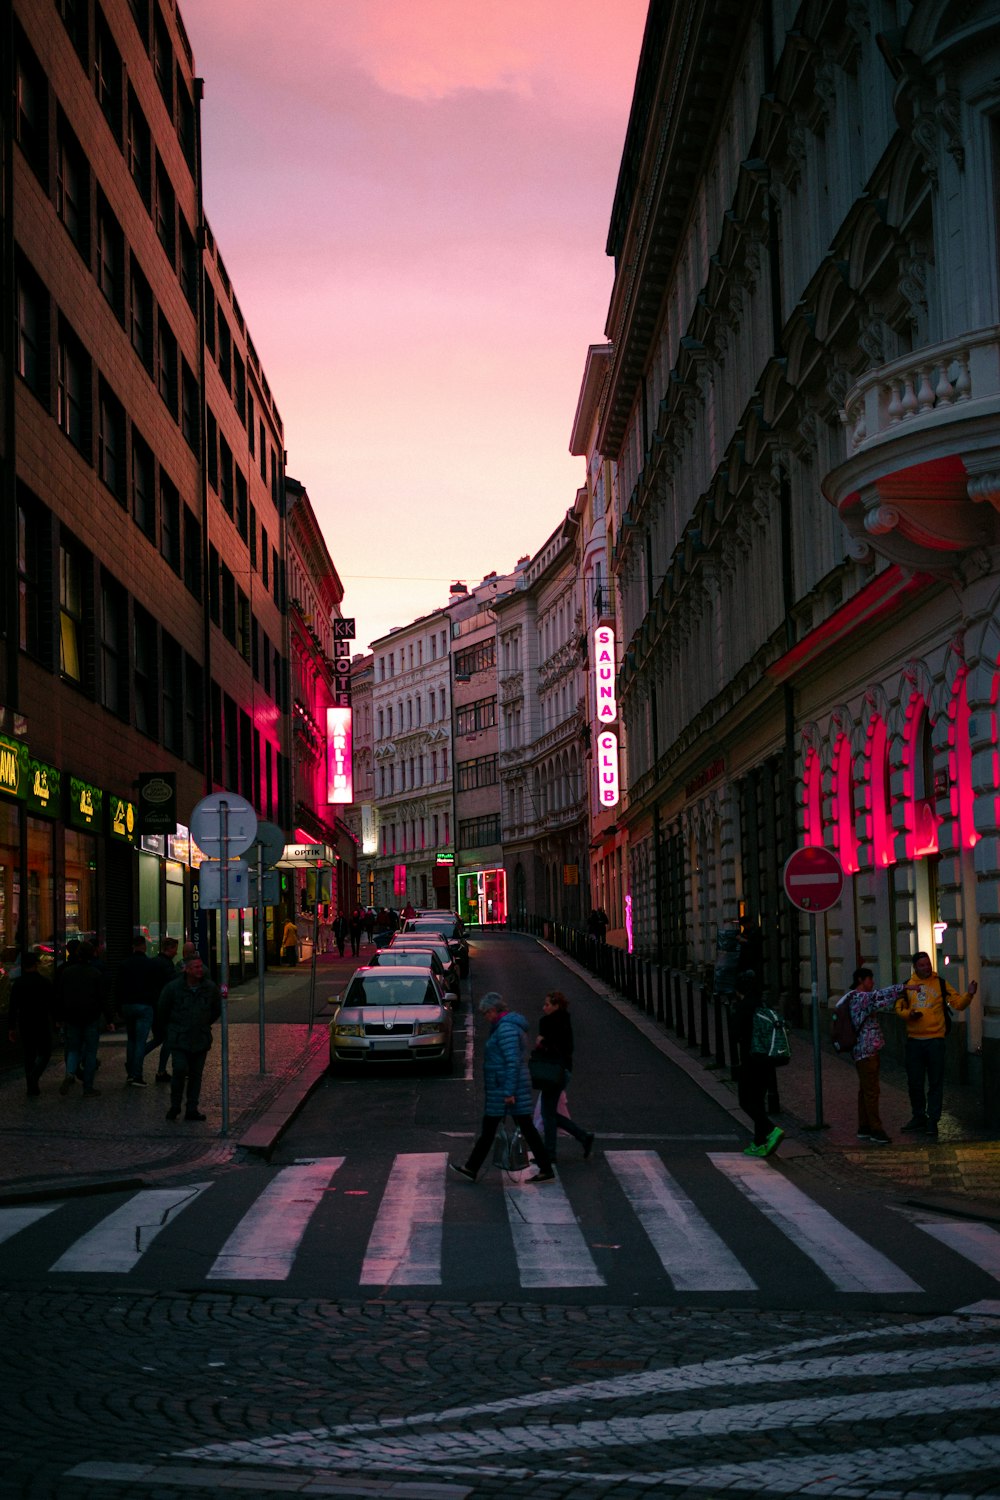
(773, 1141)
(755, 1150)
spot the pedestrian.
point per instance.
(137, 988)
(290, 944)
(926, 1004)
(189, 1007)
(508, 1089)
(168, 966)
(864, 1000)
(29, 1018)
(368, 922)
(755, 1069)
(554, 1046)
(409, 910)
(340, 932)
(79, 1003)
(354, 928)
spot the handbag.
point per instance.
(545, 1073)
(510, 1153)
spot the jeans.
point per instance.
(868, 1091)
(925, 1062)
(188, 1068)
(553, 1121)
(81, 1049)
(138, 1025)
(491, 1124)
(37, 1049)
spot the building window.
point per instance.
(166, 211)
(474, 833)
(107, 74)
(72, 187)
(139, 151)
(263, 555)
(185, 121)
(243, 633)
(194, 733)
(110, 257)
(72, 383)
(209, 317)
(141, 315)
(263, 452)
(143, 491)
(190, 410)
(170, 522)
(240, 388)
(471, 717)
(172, 694)
(481, 658)
(146, 674)
(212, 443)
(192, 553)
(188, 265)
(166, 364)
(74, 18)
(242, 503)
(33, 577)
(214, 596)
(111, 442)
(70, 614)
(225, 351)
(475, 773)
(114, 661)
(32, 333)
(163, 60)
(32, 103)
(226, 476)
(140, 15)
(253, 537)
(228, 605)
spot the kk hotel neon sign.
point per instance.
(339, 779)
(606, 712)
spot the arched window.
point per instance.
(963, 800)
(918, 781)
(813, 778)
(844, 831)
(879, 795)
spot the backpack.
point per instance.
(769, 1037)
(843, 1032)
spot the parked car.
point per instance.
(438, 945)
(395, 1015)
(422, 955)
(451, 929)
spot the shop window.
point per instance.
(39, 911)
(70, 614)
(10, 880)
(80, 902)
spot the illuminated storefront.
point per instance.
(482, 897)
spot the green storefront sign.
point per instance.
(13, 766)
(41, 789)
(121, 819)
(85, 804)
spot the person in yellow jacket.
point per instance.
(922, 1006)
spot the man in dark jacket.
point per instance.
(168, 966)
(30, 1018)
(79, 1005)
(138, 983)
(189, 1007)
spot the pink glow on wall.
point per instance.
(845, 837)
(921, 811)
(628, 919)
(880, 831)
(339, 777)
(608, 790)
(813, 832)
(963, 799)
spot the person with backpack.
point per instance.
(926, 1005)
(762, 1042)
(856, 1030)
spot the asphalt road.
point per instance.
(668, 1318)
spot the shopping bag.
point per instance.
(510, 1153)
(562, 1108)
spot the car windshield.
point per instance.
(429, 946)
(390, 989)
(418, 957)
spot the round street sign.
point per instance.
(206, 824)
(813, 879)
(272, 841)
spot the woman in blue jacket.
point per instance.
(508, 1089)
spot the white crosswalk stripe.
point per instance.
(846, 1259)
(405, 1245)
(693, 1255)
(539, 1237)
(263, 1245)
(118, 1242)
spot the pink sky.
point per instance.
(412, 198)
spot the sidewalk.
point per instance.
(54, 1145)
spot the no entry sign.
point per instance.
(813, 879)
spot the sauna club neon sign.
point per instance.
(606, 712)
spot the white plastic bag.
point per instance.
(562, 1108)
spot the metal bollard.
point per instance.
(691, 1037)
(678, 1006)
(706, 1050)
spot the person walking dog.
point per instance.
(508, 1089)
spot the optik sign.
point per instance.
(606, 712)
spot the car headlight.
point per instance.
(428, 1028)
(349, 1029)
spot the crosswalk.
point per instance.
(539, 1238)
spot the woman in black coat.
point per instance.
(555, 1044)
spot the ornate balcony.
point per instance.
(924, 454)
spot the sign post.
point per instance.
(813, 881)
(223, 824)
(270, 842)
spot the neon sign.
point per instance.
(604, 674)
(608, 789)
(339, 777)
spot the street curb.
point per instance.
(77, 1189)
(986, 1213)
(265, 1132)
